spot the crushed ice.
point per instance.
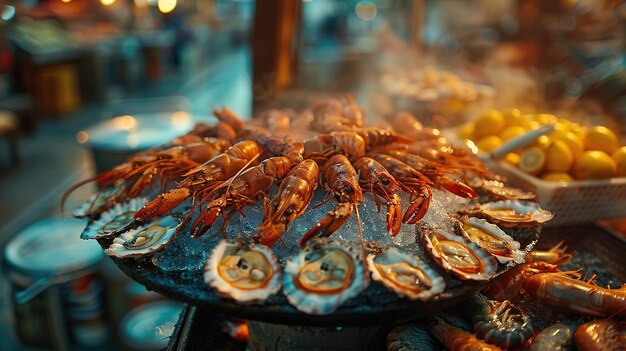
(186, 253)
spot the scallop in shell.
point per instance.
(323, 276)
(491, 238)
(404, 274)
(146, 239)
(113, 221)
(514, 214)
(465, 260)
(245, 273)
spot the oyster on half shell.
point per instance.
(513, 213)
(245, 273)
(114, 221)
(145, 239)
(404, 274)
(96, 202)
(496, 190)
(491, 238)
(323, 276)
(454, 254)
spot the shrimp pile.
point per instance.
(223, 167)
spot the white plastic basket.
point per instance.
(571, 202)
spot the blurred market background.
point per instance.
(73, 73)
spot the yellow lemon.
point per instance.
(530, 123)
(574, 143)
(556, 134)
(489, 123)
(600, 138)
(557, 177)
(565, 122)
(543, 142)
(513, 117)
(619, 156)
(532, 160)
(576, 128)
(466, 131)
(545, 118)
(559, 130)
(488, 143)
(581, 132)
(559, 157)
(512, 158)
(511, 132)
(595, 165)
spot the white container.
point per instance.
(572, 202)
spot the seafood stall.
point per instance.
(418, 176)
(316, 227)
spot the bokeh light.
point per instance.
(366, 10)
(166, 6)
(82, 137)
(124, 122)
(7, 12)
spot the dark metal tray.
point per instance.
(376, 305)
(591, 243)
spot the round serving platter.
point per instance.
(375, 305)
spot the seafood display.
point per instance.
(314, 207)
(551, 308)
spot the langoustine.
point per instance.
(570, 294)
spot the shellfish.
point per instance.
(513, 213)
(245, 273)
(499, 323)
(323, 276)
(491, 238)
(114, 221)
(465, 260)
(145, 239)
(496, 190)
(97, 201)
(404, 274)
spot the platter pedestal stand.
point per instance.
(199, 329)
(269, 336)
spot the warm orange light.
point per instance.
(366, 10)
(181, 118)
(124, 122)
(82, 136)
(66, 0)
(107, 2)
(166, 6)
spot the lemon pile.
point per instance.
(570, 152)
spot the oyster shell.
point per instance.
(246, 273)
(323, 276)
(496, 190)
(114, 221)
(465, 260)
(404, 274)
(96, 201)
(146, 239)
(491, 238)
(513, 213)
